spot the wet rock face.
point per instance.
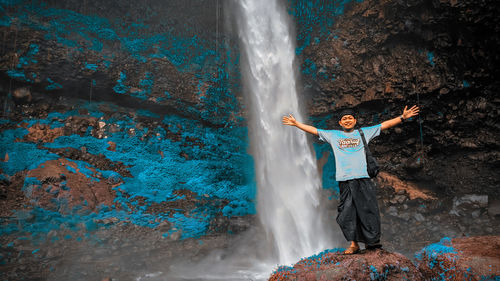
(440, 55)
(381, 56)
(392, 50)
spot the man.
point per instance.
(358, 213)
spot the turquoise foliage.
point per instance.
(28, 58)
(22, 156)
(91, 66)
(430, 254)
(216, 72)
(180, 154)
(314, 261)
(309, 68)
(147, 113)
(120, 87)
(53, 85)
(25, 60)
(430, 58)
(314, 19)
(444, 246)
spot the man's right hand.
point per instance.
(289, 120)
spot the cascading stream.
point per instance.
(287, 177)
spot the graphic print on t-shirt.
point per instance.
(348, 143)
(350, 157)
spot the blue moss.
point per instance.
(373, 273)
(71, 169)
(120, 86)
(444, 246)
(22, 156)
(315, 20)
(147, 113)
(91, 66)
(146, 85)
(309, 68)
(431, 253)
(53, 85)
(190, 227)
(430, 58)
(220, 71)
(18, 74)
(28, 58)
(156, 177)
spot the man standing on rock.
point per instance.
(358, 213)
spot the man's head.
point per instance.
(347, 119)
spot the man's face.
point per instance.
(347, 122)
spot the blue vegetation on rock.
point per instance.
(215, 71)
(209, 161)
(432, 256)
(180, 155)
(314, 18)
(315, 260)
(53, 85)
(22, 155)
(430, 58)
(441, 257)
(444, 246)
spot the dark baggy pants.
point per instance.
(358, 213)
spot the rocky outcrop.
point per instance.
(381, 56)
(333, 265)
(51, 189)
(467, 258)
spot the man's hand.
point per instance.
(408, 113)
(289, 120)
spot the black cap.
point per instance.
(347, 111)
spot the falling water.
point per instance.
(286, 172)
(287, 177)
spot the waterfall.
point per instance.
(287, 176)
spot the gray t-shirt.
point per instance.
(349, 151)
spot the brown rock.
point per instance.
(112, 146)
(467, 258)
(388, 88)
(413, 191)
(22, 95)
(43, 133)
(369, 265)
(76, 187)
(369, 95)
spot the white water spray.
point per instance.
(287, 177)
(286, 172)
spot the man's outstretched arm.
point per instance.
(407, 113)
(290, 120)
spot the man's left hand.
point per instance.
(408, 113)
